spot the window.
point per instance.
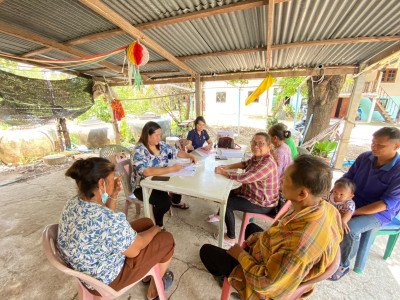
(221, 97)
(389, 75)
(251, 92)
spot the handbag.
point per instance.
(228, 143)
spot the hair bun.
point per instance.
(287, 134)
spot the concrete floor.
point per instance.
(25, 273)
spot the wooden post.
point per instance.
(350, 118)
(65, 133)
(198, 96)
(59, 144)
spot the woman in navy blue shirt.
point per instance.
(197, 136)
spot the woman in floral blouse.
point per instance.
(150, 158)
(281, 152)
(96, 240)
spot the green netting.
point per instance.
(25, 99)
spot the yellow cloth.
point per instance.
(265, 85)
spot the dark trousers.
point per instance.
(238, 203)
(161, 203)
(217, 261)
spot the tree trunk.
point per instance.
(322, 96)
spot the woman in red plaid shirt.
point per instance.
(259, 192)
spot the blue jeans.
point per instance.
(351, 241)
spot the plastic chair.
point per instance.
(110, 151)
(367, 239)
(301, 289)
(106, 292)
(124, 166)
(247, 216)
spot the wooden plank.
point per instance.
(348, 69)
(270, 30)
(27, 35)
(367, 39)
(103, 10)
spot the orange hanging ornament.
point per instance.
(137, 55)
(118, 110)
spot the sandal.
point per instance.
(212, 219)
(180, 205)
(168, 279)
(225, 241)
(339, 274)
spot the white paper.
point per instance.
(231, 153)
(203, 152)
(188, 171)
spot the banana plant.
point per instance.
(324, 148)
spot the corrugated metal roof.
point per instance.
(59, 20)
(294, 21)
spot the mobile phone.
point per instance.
(160, 178)
(220, 157)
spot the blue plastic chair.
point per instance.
(367, 239)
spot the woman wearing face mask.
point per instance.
(197, 136)
(95, 239)
(150, 158)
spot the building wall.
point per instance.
(231, 106)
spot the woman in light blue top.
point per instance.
(96, 240)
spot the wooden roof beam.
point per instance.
(164, 22)
(270, 30)
(372, 39)
(332, 70)
(30, 36)
(107, 13)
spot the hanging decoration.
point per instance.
(265, 85)
(137, 55)
(118, 110)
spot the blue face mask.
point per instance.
(104, 196)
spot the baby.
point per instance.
(341, 197)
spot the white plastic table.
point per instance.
(205, 184)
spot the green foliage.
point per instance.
(289, 87)
(324, 148)
(127, 138)
(272, 121)
(74, 139)
(289, 111)
(238, 83)
(4, 126)
(100, 110)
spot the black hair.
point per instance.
(279, 130)
(346, 183)
(392, 133)
(313, 173)
(148, 129)
(88, 172)
(265, 135)
(199, 119)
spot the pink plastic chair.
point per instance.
(124, 166)
(227, 289)
(247, 216)
(106, 292)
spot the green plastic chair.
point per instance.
(110, 151)
(367, 239)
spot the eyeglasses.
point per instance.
(259, 144)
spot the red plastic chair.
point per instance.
(106, 292)
(247, 216)
(302, 288)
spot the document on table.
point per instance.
(202, 152)
(228, 153)
(189, 170)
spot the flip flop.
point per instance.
(168, 279)
(181, 206)
(212, 219)
(225, 241)
(339, 274)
